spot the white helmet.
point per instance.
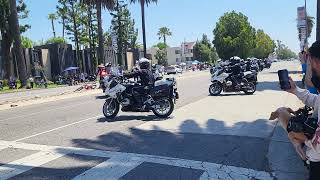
(144, 63)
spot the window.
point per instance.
(178, 52)
(191, 50)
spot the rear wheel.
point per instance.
(111, 108)
(250, 88)
(163, 108)
(215, 89)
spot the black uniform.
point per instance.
(146, 80)
(236, 74)
(145, 75)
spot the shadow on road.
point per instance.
(272, 85)
(129, 118)
(290, 72)
(231, 94)
(101, 97)
(193, 142)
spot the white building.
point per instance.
(175, 55)
(187, 51)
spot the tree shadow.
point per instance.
(216, 143)
(273, 85)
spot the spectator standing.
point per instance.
(31, 80)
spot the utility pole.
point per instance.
(307, 30)
(318, 20)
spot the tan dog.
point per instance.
(297, 139)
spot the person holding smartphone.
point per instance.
(312, 154)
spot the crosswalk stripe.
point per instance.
(112, 169)
(22, 165)
(211, 170)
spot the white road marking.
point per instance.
(38, 112)
(211, 170)
(61, 127)
(25, 164)
(112, 169)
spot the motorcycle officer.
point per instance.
(236, 72)
(146, 80)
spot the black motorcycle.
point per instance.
(160, 99)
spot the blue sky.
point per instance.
(189, 19)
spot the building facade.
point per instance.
(187, 51)
(175, 55)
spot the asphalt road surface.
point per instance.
(224, 137)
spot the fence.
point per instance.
(51, 60)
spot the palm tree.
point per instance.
(310, 21)
(52, 17)
(142, 4)
(99, 4)
(14, 23)
(163, 33)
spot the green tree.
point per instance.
(74, 24)
(133, 35)
(6, 31)
(62, 13)
(143, 3)
(56, 40)
(123, 27)
(26, 42)
(264, 45)
(161, 56)
(204, 51)
(234, 36)
(283, 52)
(52, 17)
(99, 4)
(91, 25)
(163, 33)
(161, 46)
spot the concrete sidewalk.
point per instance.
(37, 93)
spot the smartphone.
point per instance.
(284, 79)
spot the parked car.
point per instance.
(173, 70)
(178, 69)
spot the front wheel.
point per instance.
(215, 89)
(111, 108)
(250, 88)
(163, 108)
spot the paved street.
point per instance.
(225, 137)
